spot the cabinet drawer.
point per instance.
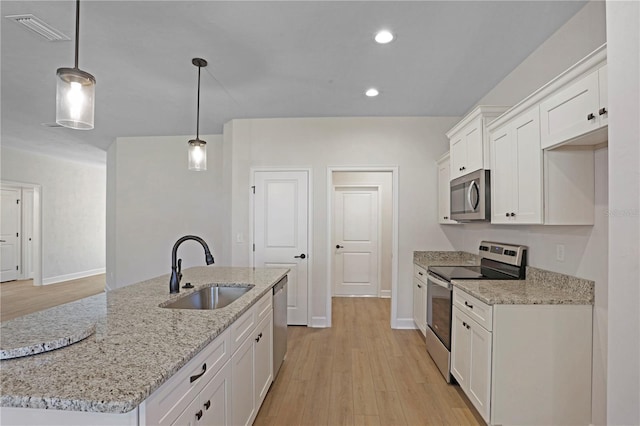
(242, 328)
(173, 397)
(264, 306)
(474, 308)
(420, 273)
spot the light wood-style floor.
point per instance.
(18, 298)
(361, 372)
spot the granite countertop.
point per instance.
(445, 258)
(136, 347)
(539, 288)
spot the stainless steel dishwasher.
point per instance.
(279, 324)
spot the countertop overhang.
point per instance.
(137, 345)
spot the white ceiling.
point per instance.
(266, 59)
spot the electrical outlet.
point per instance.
(560, 252)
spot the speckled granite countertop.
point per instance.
(444, 258)
(136, 347)
(539, 288)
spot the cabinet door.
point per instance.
(215, 399)
(242, 384)
(188, 416)
(460, 348)
(417, 297)
(458, 150)
(502, 181)
(571, 112)
(263, 358)
(603, 86)
(444, 193)
(527, 160)
(475, 147)
(479, 384)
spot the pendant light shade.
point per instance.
(198, 148)
(75, 92)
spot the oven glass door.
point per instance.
(439, 294)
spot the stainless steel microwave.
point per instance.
(471, 197)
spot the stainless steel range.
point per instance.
(498, 261)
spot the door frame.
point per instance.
(379, 256)
(37, 228)
(394, 235)
(309, 170)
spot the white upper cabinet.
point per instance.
(516, 178)
(444, 191)
(469, 141)
(577, 110)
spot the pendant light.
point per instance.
(197, 147)
(75, 92)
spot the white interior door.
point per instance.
(355, 239)
(9, 234)
(281, 218)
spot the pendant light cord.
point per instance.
(198, 113)
(77, 30)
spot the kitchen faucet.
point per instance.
(176, 267)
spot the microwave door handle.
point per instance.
(469, 199)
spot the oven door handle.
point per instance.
(438, 281)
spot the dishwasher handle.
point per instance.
(280, 286)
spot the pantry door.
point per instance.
(9, 234)
(355, 239)
(281, 225)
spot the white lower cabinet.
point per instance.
(471, 360)
(252, 368)
(523, 364)
(420, 298)
(226, 382)
(212, 407)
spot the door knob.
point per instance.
(338, 246)
(302, 256)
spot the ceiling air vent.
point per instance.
(39, 27)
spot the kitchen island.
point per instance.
(137, 346)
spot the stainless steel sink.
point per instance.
(214, 297)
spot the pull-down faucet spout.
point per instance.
(176, 266)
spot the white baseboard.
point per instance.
(318, 322)
(404, 324)
(385, 294)
(74, 276)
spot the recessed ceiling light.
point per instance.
(383, 37)
(372, 92)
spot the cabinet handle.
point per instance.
(199, 414)
(468, 305)
(446, 217)
(197, 376)
(512, 214)
(464, 324)
(507, 214)
(338, 246)
(257, 339)
(468, 326)
(590, 116)
(419, 286)
(302, 256)
(602, 111)
(207, 404)
(420, 273)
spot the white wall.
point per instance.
(412, 144)
(154, 200)
(73, 211)
(578, 37)
(586, 253)
(623, 370)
